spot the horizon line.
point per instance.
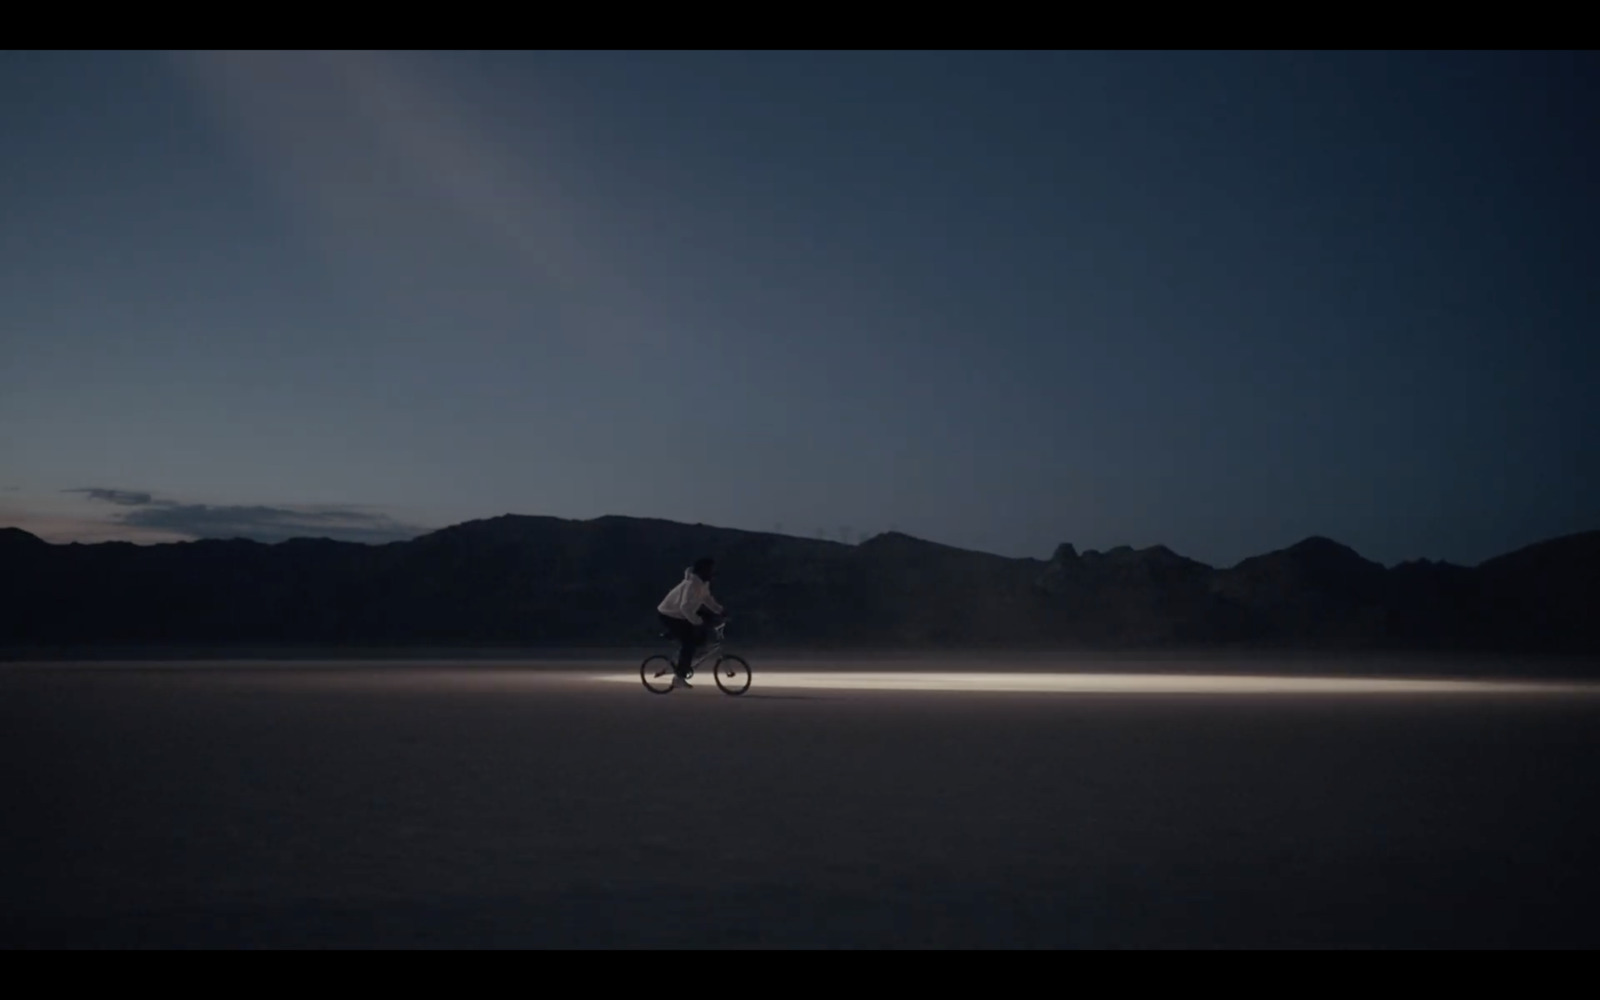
(803, 538)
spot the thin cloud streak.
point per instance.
(271, 524)
(322, 126)
(150, 517)
(124, 498)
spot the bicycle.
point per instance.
(732, 672)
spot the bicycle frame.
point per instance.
(713, 646)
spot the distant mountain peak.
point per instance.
(1583, 544)
(1313, 543)
(1160, 552)
(900, 538)
(16, 536)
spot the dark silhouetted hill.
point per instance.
(517, 580)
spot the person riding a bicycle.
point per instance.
(684, 612)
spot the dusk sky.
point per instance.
(1219, 302)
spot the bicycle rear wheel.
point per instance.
(656, 672)
(733, 674)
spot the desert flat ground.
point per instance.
(848, 804)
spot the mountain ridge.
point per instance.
(537, 579)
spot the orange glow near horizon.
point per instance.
(66, 529)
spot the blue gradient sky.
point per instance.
(1215, 301)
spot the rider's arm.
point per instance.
(711, 602)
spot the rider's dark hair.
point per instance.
(704, 565)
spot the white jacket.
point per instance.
(684, 600)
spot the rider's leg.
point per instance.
(687, 636)
(691, 644)
(702, 632)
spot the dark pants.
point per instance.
(689, 635)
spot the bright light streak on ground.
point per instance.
(1071, 683)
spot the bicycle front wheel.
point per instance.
(733, 674)
(656, 672)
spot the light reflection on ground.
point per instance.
(1081, 683)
